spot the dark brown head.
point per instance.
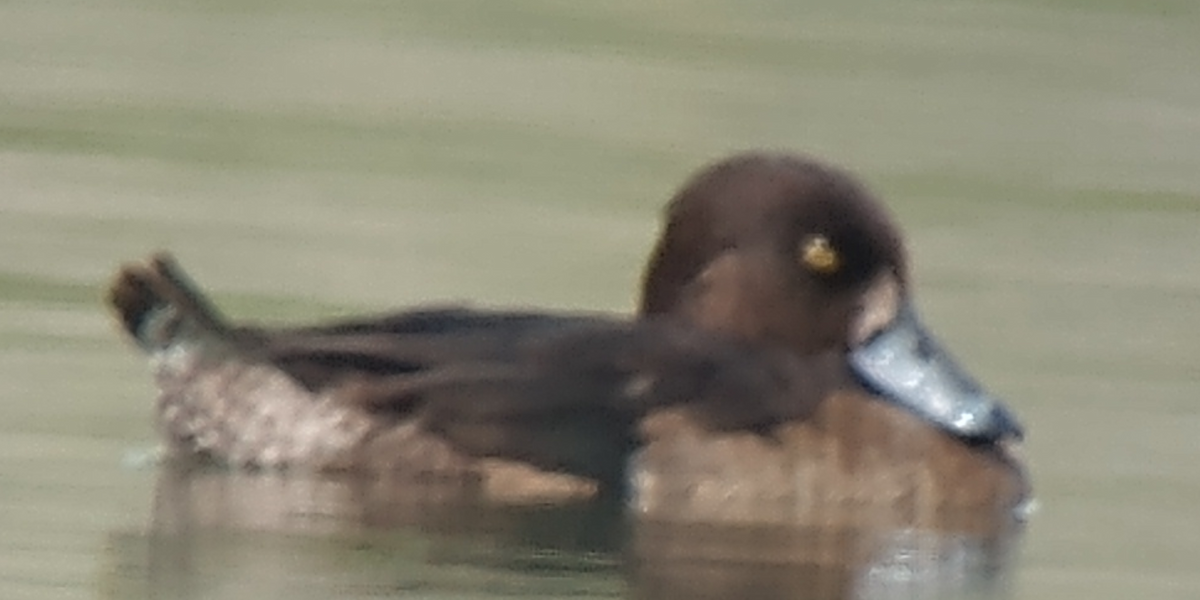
(773, 247)
(782, 250)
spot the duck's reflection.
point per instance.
(805, 562)
(216, 533)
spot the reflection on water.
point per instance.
(861, 563)
(217, 534)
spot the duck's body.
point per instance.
(750, 388)
(528, 404)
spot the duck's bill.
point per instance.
(906, 365)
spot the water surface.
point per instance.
(318, 158)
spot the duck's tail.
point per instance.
(159, 307)
(217, 397)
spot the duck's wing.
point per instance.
(413, 342)
(577, 399)
(562, 392)
(303, 396)
(161, 308)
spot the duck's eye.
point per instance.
(819, 256)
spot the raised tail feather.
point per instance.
(159, 306)
(217, 397)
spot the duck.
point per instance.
(776, 370)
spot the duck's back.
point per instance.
(339, 396)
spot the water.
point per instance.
(314, 159)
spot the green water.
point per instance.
(317, 158)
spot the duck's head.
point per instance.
(783, 250)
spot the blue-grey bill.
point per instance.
(904, 364)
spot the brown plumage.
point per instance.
(734, 396)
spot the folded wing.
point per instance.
(564, 392)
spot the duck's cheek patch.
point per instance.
(819, 256)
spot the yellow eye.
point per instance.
(819, 256)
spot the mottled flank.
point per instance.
(253, 414)
(221, 399)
